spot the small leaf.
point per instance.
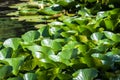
(13, 43)
(85, 74)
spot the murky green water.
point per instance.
(11, 28)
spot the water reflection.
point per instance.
(12, 28)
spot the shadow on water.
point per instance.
(11, 28)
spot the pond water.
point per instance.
(11, 28)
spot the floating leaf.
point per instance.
(30, 76)
(112, 36)
(15, 78)
(109, 24)
(5, 53)
(51, 43)
(65, 56)
(15, 63)
(105, 60)
(70, 45)
(5, 71)
(30, 36)
(97, 36)
(69, 22)
(55, 9)
(34, 48)
(66, 3)
(85, 74)
(29, 64)
(55, 58)
(81, 21)
(108, 34)
(28, 12)
(12, 42)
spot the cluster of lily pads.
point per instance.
(79, 44)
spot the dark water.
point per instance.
(11, 28)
